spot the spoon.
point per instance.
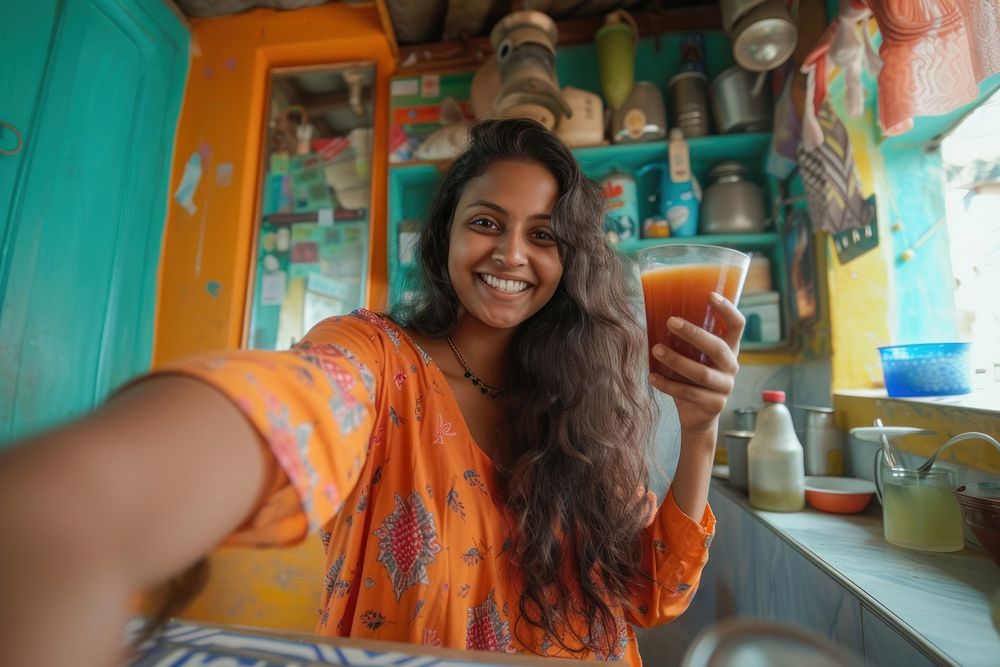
(970, 435)
(890, 452)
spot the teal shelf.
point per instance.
(738, 241)
(596, 161)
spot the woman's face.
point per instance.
(502, 259)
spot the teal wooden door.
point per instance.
(94, 89)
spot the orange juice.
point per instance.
(683, 290)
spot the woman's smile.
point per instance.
(505, 286)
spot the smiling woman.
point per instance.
(514, 519)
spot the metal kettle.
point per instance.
(732, 204)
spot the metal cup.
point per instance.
(746, 419)
(823, 444)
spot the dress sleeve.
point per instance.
(314, 408)
(675, 550)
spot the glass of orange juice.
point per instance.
(677, 279)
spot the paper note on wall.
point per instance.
(184, 194)
(272, 289)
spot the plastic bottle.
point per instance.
(774, 459)
(681, 194)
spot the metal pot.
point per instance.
(738, 103)
(732, 204)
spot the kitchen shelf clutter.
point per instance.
(417, 101)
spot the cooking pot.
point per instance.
(738, 103)
(732, 204)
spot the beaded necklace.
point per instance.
(488, 389)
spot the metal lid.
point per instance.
(761, 45)
(728, 168)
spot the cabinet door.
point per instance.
(885, 646)
(94, 88)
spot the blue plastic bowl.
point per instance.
(927, 369)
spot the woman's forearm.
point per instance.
(694, 470)
(121, 500)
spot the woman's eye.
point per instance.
(485, 223)
(543, 235)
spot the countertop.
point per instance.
(939, 601)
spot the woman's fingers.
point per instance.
(720, 351)
(708, 400)
(735, 322)
(714, 379)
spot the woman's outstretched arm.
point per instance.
(120, 500)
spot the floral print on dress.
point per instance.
(474, 480)
(475, 555)
(376, 439)
(349, 414)
(485, 630)
(408, 543)
(290, 446)
(372, 619)
(380, 322)
(443, 430)
(397, 421)
(454, 502)
(618, 646)
(334, 584)
(399, 379)
(325, 359)
(367, 377)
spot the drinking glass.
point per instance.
(677, 279)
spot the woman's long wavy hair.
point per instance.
(580, 411)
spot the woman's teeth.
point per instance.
(512, 286)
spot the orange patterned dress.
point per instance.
(376, 457)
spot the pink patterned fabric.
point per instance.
(935, 53)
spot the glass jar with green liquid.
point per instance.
(919, 510)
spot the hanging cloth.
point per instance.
(845, 44)
(935, 53)
(833, 188)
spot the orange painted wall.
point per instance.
(206, 261)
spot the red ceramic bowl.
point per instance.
(980, 504)
(839, 495)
